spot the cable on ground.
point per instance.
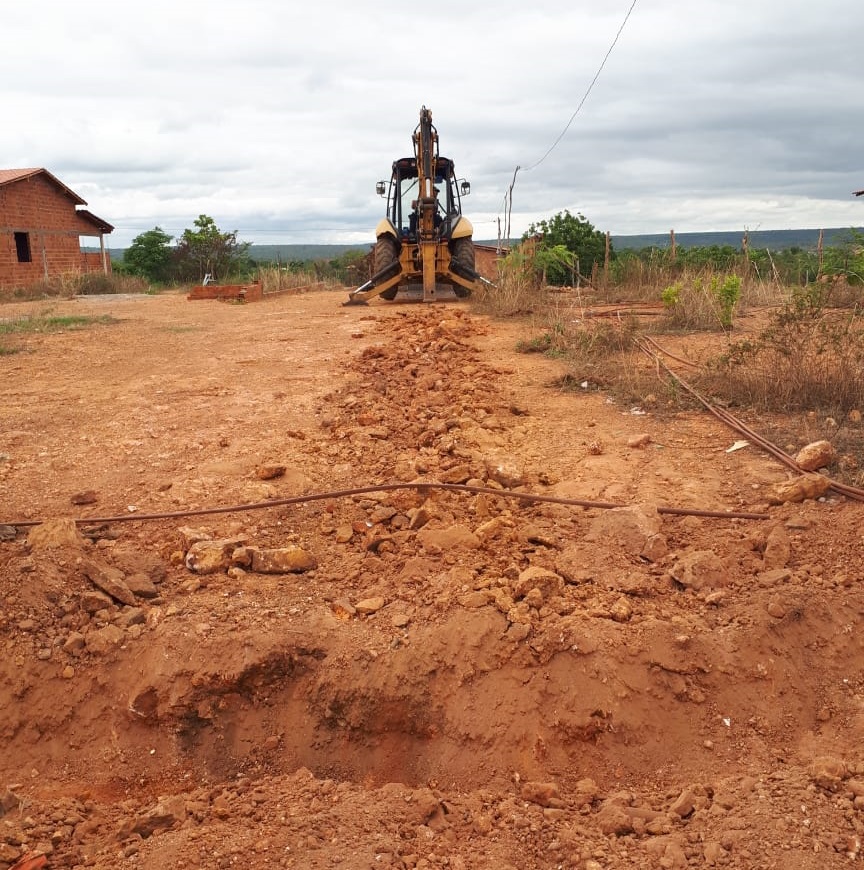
(389, 487)
(734, 423)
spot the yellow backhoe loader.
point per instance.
(424, 245)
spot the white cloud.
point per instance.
(277, 119)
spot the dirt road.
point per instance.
(412, 678)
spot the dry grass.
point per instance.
(70, 284)
(516, 292)
(645, 280)
(276, 280)
(600, 353)
(802, 373)
(45, 322)
(807, 358)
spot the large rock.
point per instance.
(799, 489)
(9, 854)
(778, 548)
(684, 804)
(546, 794)
(168, 813)
(141, 586)
(613, 820)
(54, 534)
(92, 601)
(74, 644)
(368, 606)
(457, 474)
(493, 528)
(505, 471)
(269, 471)
(828, 772)
(9, 801)
(104, 639)
(534, 577)
(109, 579)
(281, 560)
(700, 569)
(131, 560)
(815, 455)
(443, 540)
(636, 529)
(211, 557)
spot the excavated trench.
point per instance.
(602, 701)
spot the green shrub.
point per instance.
(671, 295)
(701, 305)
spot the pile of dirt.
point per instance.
(412, 677)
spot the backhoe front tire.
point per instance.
(462, 257)
(386, 253)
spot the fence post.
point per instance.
(606, 258)
(820, 248)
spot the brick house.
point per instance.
(42, 229)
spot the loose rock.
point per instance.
(110, 580)
(282, 560)
(806, 487)
(53, 534)
(818, 454)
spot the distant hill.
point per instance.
(304, 253)
(774, 240)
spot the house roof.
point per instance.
(8, 176)
(101, 225)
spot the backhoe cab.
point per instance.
(424, 244)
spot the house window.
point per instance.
(22, 246)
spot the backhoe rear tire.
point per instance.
(462, 257)
(386, 253)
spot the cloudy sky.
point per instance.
(277, 118)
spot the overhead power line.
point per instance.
(508, 196)
(587, 92)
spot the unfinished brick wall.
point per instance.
(486, 259)
(47, 215)
(228, 292)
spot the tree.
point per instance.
(352, 267)
(573, 233)
(847, 257)
(208, 251)
(149, 255)
(553, 258)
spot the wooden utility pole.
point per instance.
(606, 257)
(820, 249)
(673, 247)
